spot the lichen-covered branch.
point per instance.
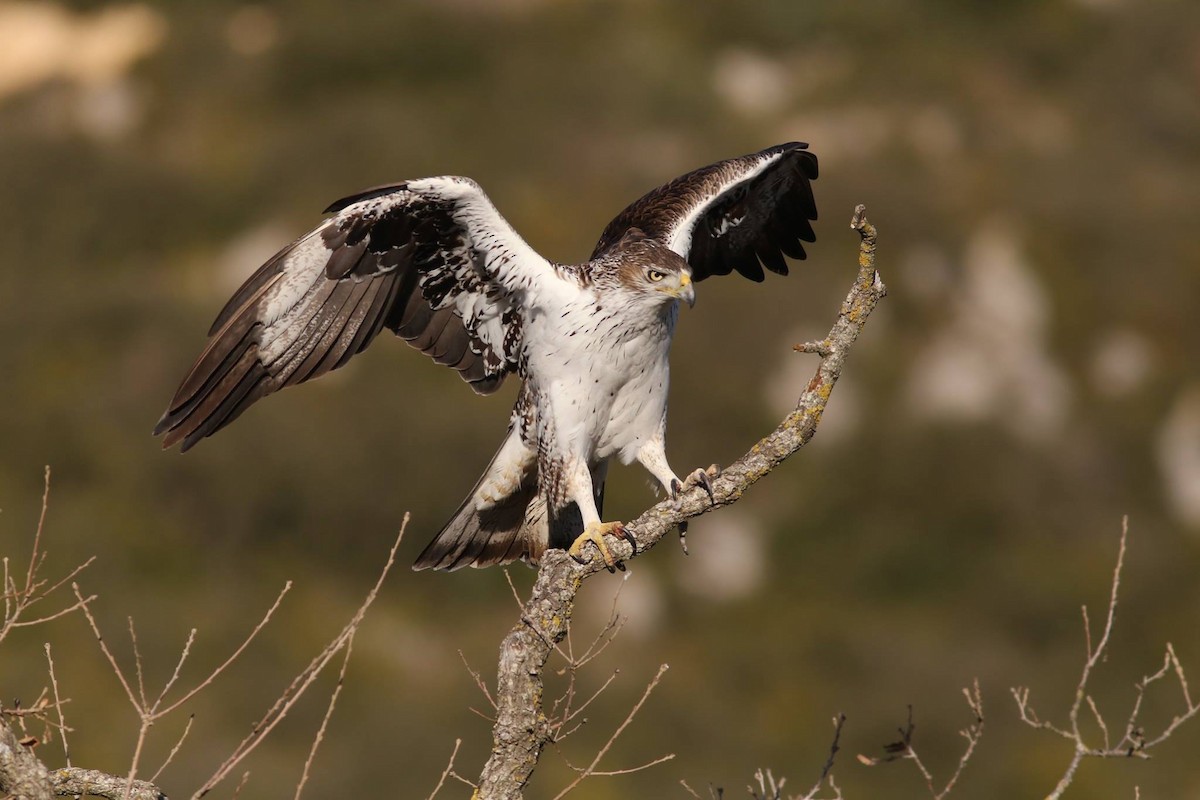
(76, 782)
(21, 773)
(521, 729)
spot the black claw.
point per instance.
(708, 487)
(676, 488)
(623, 533)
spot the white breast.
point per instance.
(603, 375)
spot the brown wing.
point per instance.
(432, 260)
(735, 214)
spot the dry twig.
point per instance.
(826, 776)
(590, 769)
(1133, 743)
(151, 712)
(448, 771)
(320, 736)
(904, 750)
(20, 597)
(302, 681)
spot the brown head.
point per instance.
(645, 265)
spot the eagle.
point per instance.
(433, 261)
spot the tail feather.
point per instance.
(511, 528)
(518, 526)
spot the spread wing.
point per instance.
(430, 259)
(731, 215)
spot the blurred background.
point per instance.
(1034, 171)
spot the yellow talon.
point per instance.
(594, 533)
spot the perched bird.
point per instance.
(434, 262)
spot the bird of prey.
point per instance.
(433, 261)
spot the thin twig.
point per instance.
(174, 750)
(19, 599)
(567, 717)
(638, 768)
(1134, 742)
(28, 623)
(839, 722)
(137, 661)
(337, 690)
(904, 749)
(590, 769)
(446, 772)
(183, 655)
(477, 678)
(35, 556)
(62, 720)
(299, 685)
(262, 623)
(112, 661)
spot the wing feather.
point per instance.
(430, 259)
(741, 214)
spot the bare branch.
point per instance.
(590, 769)
(839, 722)
(1183, 684)
(94, 783)
(768, 787)
(183, 655)
(904, 749)
(174, 750)
(521, 730)
(337, 690)
(21, 773)
(299, 685)
(137, 661)
(19, 599)
(62, 720)
(112, 661)
(570, 715)
(1094, 655)
(477, 678)
(1133, 743)
(262, 623)
(638, 768)
(36, 556)
(27, 623)
(446, 772)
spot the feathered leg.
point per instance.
(653, 457)
(576, 492)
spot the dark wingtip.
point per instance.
(366, 194)
(811, 164)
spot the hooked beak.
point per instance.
(687, 290)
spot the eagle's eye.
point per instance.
(655, 275)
